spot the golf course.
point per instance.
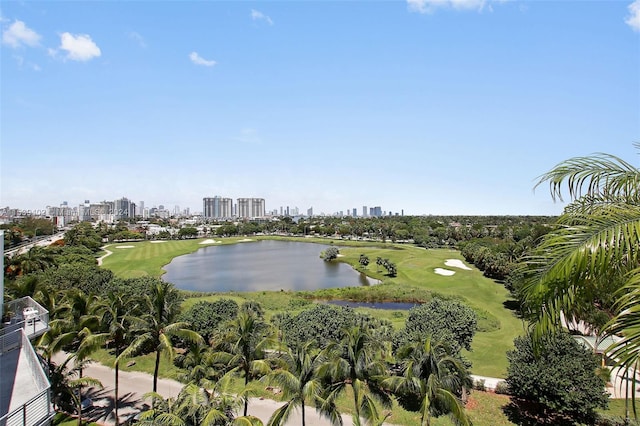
(421, 275)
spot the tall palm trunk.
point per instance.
(246, 400)
(155, 372)
(116, 392)
(302, 409)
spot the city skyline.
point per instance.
(216, 207)
(431, 107)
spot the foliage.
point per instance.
(331, 253)
(433, 381)
(187, 232)
(36, 259)
(158, 324)
(204, 317)
(241, 347)
(83, 234)
(125, 235)
(364, 261)
(89, 278)
(65, 255)
(321, 324)
(446, 320)
(590, 260)
(357, 362)
(562, 378)
(297, 378)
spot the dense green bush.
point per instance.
(320, 324)
(204, 317)
(559, 375)
(446, 320)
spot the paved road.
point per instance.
(133, 385)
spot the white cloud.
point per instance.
(256, 15)
(633, 20)
(137, 38)
(18, 34)
(79, 47)
(199, 60)
(429, 6)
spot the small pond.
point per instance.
(260, 265)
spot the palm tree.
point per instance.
(34, 260)
(299, 381)
(164, 411)
(212, 405)
(433, 381)
(78, 320)
(116, 317)
(594, 251)
(195, 362)
(241, 346)
(158, 326)
(358, 361)
(65, 388)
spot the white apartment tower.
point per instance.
(251, 207)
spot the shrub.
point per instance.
(446, 320)
(502, 388)
(479, 385)
(559, 375)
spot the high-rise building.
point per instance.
(364, 211)
(123, 209)
(217, 207)
(209, 207)
(251, 207)
(140, 209)
(310, 211)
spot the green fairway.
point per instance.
(416, 269)
(132, 260)
(416, 281)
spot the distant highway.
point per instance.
(41, 241)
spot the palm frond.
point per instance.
(599, 174)
(282, 414)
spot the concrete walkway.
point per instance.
(107, 253)
(490, 383)
(133, 385)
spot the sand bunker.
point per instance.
(445, 272)
(157, 242)
(124, 247)
(455, 263)
(245, 240)
(210, 242)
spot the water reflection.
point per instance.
(262, 265)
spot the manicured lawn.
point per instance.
(147, 258)
(416, 269)
(62, 419)
(416, 281)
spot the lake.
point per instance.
(260, 265)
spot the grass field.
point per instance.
(416, 281)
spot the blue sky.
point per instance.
(434, 107)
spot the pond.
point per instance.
(260, 265)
